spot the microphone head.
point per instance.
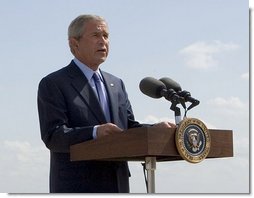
(171, 84)
(151, 87)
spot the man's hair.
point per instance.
(77, 26)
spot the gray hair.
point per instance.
(77, 26)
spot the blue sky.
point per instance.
(201, 44)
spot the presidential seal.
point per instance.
(193, 140)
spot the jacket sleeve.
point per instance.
(132, 123)
(56, 132)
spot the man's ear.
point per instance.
(73, 43)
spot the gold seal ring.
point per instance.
(193, 140)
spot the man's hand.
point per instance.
(107, 129)
(165, 125)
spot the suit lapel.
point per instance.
(81, 85)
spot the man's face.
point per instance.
(92, 48)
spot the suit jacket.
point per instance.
(68, 111)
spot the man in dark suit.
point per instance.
(75, 106)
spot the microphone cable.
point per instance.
(145, 175)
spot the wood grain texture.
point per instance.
(136, 144)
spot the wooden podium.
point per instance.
(147, 144)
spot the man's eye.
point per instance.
(96, 35)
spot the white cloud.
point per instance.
(231, 106)
(24, 151)
(150, 119)
(229, 103)
(24, 167)
(201, 55)
(245, 76)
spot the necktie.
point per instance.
(101, 92)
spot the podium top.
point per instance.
(137, 143)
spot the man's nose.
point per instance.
(103, 40)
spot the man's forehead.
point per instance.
(102, 27)
(98, 25)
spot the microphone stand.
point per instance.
(178, 117)
(172, 96)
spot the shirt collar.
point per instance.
(88, 72)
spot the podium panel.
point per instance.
(138, 143)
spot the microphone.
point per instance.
(171, 84)
(157, 89)
(152, 87)
(187, 97)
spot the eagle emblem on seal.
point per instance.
(194, 140)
